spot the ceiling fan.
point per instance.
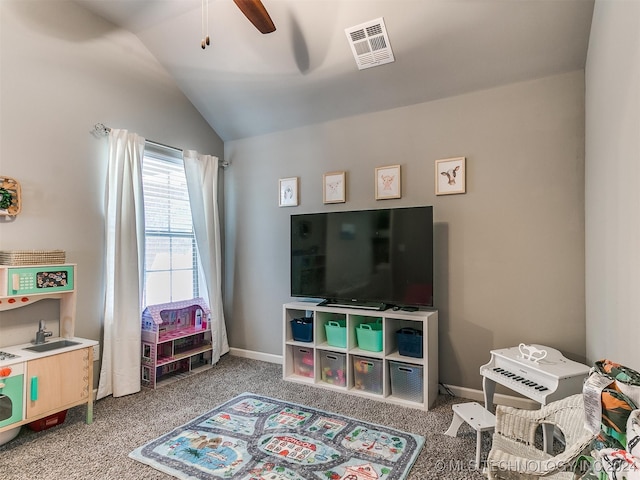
(253, 9)
(256, 13)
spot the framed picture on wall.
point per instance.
(388, 182)
(451, 176)
(334, 188)
(288, 192)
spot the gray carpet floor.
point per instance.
(75, 450)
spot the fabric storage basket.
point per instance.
(409, 342)
(367, 373)
(406, 381)
(369, 336)
(302, 329)
(336, 333)
(333, 368)
(303, 361)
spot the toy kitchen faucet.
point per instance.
(41, 334)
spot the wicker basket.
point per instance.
(32, 257)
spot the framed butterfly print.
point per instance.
(334, 189)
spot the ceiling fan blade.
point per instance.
(256, 13)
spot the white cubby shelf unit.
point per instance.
(314, 353)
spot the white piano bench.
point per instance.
(478, 417)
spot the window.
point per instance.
(171, 257)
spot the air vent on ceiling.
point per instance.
(370, 44)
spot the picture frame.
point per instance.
(334, 187)
(10, 197)
(388, 182)
(288, 192)
(451, 176)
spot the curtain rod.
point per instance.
(102, 130)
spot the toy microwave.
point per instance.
(36, 279)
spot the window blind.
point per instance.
(171, 255)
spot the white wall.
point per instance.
(612, 175)
(509, 257)
(63, 70)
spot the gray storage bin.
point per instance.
(407, 381)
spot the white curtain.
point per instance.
(120, 373)
(201, 172)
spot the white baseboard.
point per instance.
(498, 398)
(265, 357)
(463, 392)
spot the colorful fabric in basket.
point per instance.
(633, 434)
(617, 403)
(616, 450)
(616, 409)
(612, 464)
(626, 379)
(617, 465)
(618, 372)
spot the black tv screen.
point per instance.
(369, 258)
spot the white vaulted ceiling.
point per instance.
(247, 84)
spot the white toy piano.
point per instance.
(540, 373)
(537, 372)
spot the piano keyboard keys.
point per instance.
(518, 378)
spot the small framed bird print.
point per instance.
(451, 176)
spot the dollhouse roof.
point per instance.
(153, 311)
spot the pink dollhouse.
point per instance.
(176, 340)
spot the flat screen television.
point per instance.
(367, 258)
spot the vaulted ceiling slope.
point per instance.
(247, 84)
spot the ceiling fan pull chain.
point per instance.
(207, 37)
(253, 9)
(203, 43)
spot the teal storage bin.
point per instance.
(336, 333)
(369, 336)
(302, 329)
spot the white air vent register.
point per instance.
(370, 44)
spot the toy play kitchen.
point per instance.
(41, 379)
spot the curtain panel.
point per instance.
(124, 215)
(201, 172)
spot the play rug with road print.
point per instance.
(252, 437)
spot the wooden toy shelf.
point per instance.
(305, 362)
